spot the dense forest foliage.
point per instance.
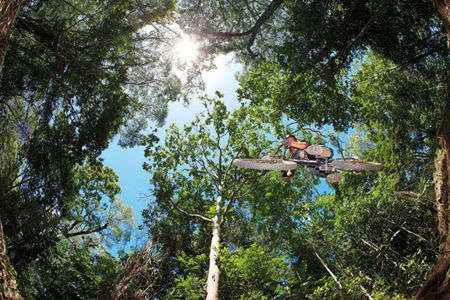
(77, 74)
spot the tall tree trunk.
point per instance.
(438, 284)
(8, 12)
(8, 288)
(212, 285)
(443, 8)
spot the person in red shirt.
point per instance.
(293, 145)
(296, 149)
(304, 151)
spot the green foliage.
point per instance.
(320, 36)
(376, 232)
(315, 41)
(79, 72)
(70, 272)
(190, 170)
(328, 66)
(63, 97)
(375, 238)
(254, 273)
(246, 273)
(96, 204)
(190, 286)
(63, 73)
(301, 96)
(41, 205)
(224, 16)
(313, 35)
(353, 231)
(398, 112)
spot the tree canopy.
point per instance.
(369, 78)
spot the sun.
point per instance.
(186, 49)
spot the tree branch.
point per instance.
(226, 210)
(35, 28)
(73, 6)
(266, 15)
(407, 230)
(72, 226)
(191, 215)
(98, 229)
(328, 270)
(234, 193)
(231, 162)
(209, 172)
(363, 31)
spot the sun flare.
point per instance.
(186, 49)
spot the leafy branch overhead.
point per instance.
(368, 78)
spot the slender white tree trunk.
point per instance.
(212, 285)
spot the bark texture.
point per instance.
(7, 273)
(443, 8)
(140, 264)
(438, 284)
(8, 12)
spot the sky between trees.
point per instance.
(79, 76)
